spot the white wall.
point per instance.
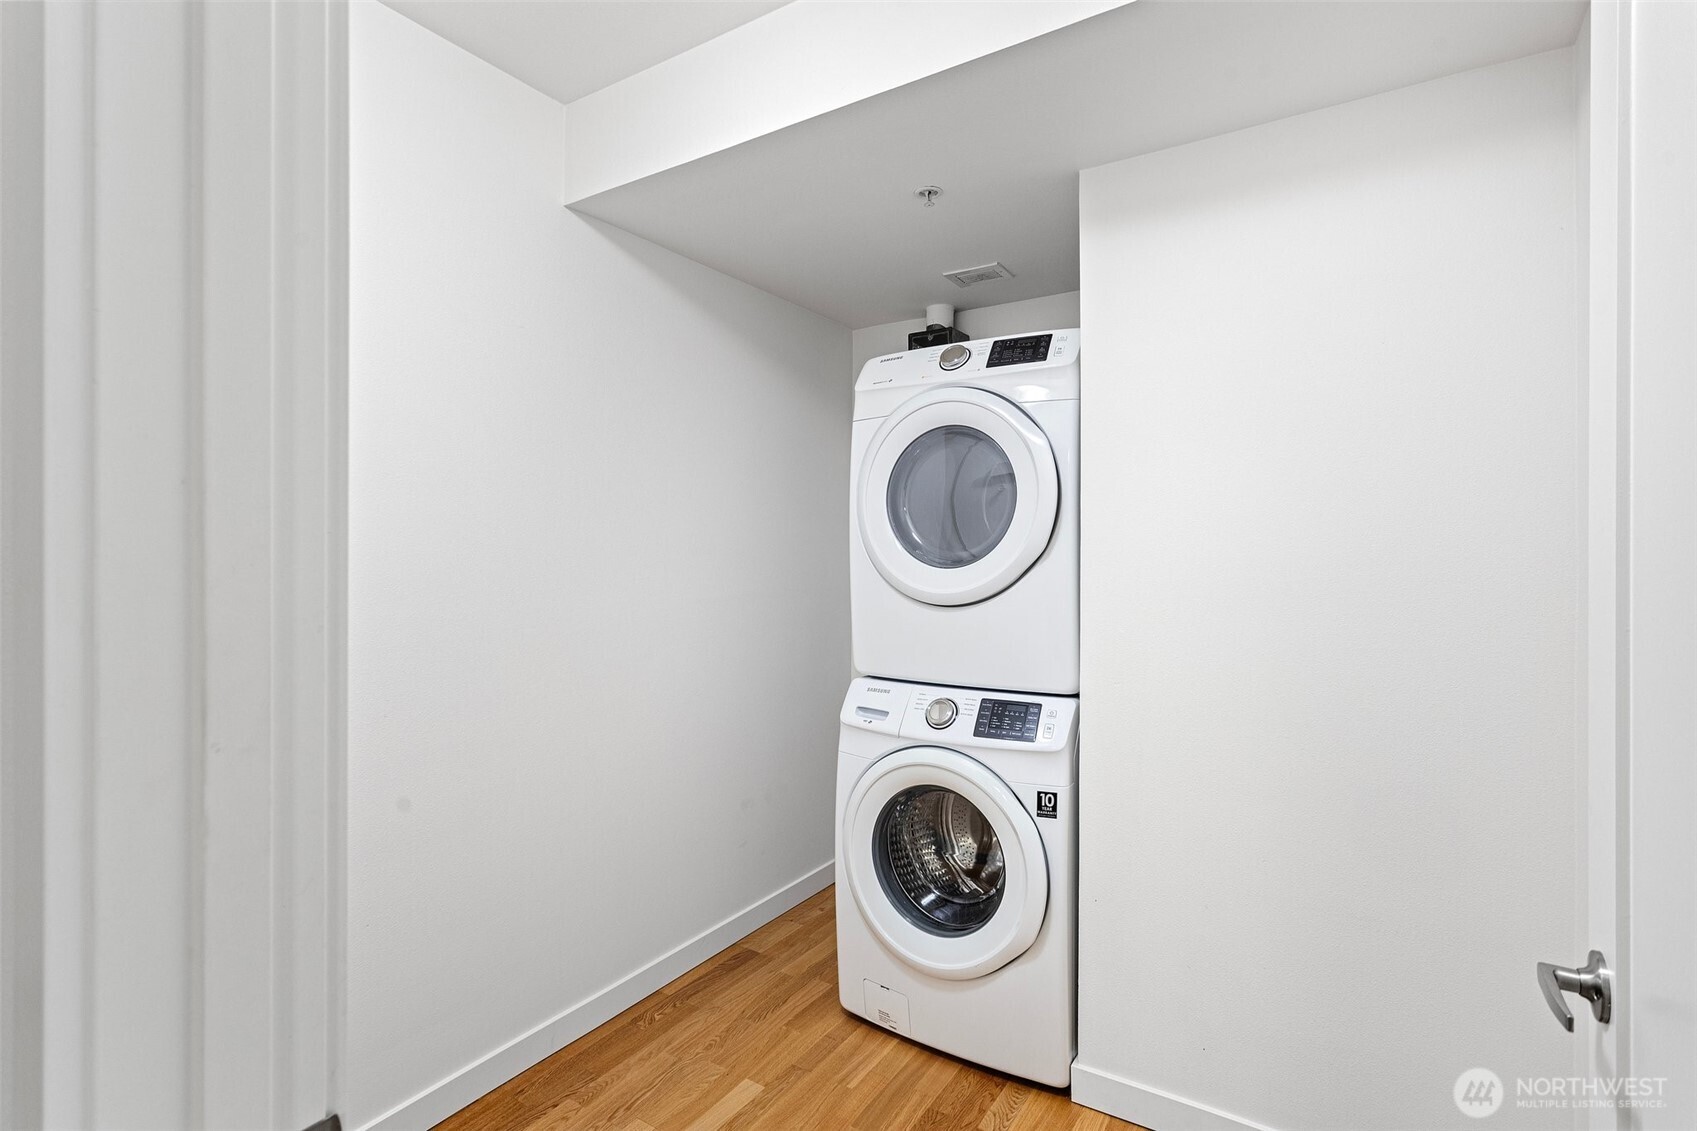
(1056, 311)
(598, 601)
(1332, 589)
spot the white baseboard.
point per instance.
(1150, 1107)
(436, 1103)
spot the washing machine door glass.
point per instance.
(944, 863)
(958, 496)
(939, 860)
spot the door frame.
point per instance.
(1638, 779)
(1602, 64)
(178, 519)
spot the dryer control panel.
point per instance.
(1033, 365)
(1020, 351)
(966, 716)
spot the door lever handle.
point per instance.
(1593, 981)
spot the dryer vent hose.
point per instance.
(939, 316)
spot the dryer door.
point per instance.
(945, 864)
(958, 495)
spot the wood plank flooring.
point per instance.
(755, 1038)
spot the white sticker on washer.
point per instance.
(885, 1006)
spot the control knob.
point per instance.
(941, 713)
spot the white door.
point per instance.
(1641, 784)
(1392, 661)
(958, 496)
(944, 863)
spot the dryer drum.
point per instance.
(939, 860)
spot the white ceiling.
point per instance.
(569, 48)
(822, 213)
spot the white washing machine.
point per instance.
(956, 857)
(964, 562)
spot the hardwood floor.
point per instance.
(755, 1038)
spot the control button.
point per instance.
(1048, 730)
(940, 713)
(954, 357)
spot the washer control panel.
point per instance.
(1012, 719)
(967, 718)
(990, 719)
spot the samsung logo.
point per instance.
(879, 690)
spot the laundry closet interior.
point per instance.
(1325, 270)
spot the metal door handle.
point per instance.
(1593, 981)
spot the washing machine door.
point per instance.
(944, 863)
(959, 494)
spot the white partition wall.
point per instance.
(1333, 579)
(598, 598)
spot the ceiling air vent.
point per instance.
(970, 275)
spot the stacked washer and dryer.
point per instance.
(957, 765)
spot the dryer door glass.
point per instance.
(938, 860)
(951, 496)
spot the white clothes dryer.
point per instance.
(956, 857)
(963, 565)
